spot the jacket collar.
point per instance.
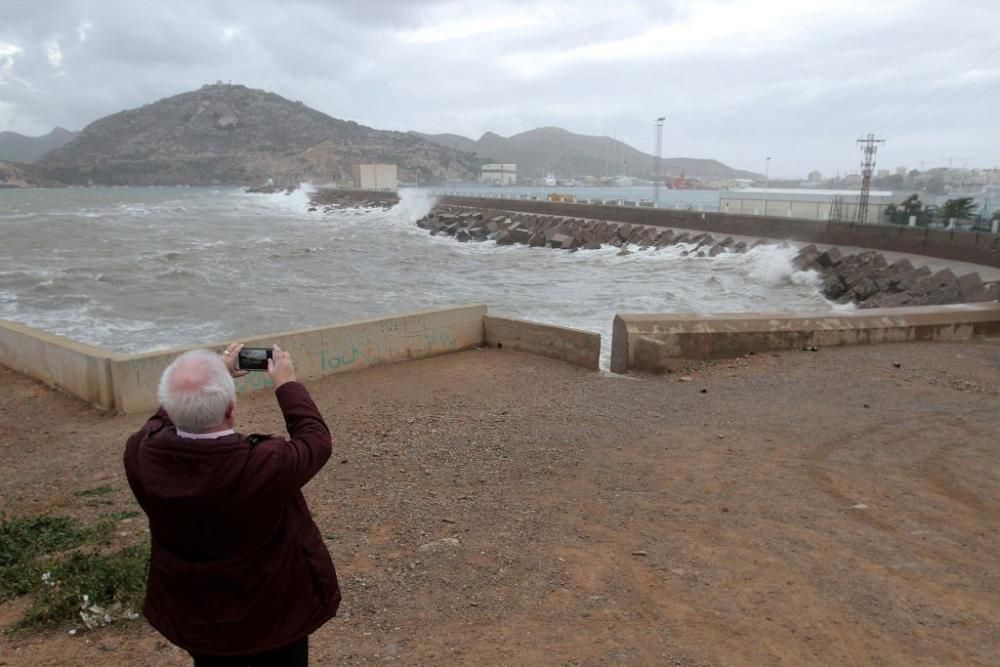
(205, 436)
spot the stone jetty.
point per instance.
(562, 233)
(330, 199)
(864, 278)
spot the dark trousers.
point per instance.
(295, 655)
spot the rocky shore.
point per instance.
(329, 199)
(866, 278)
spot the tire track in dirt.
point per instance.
(940, 475)
(823, 479)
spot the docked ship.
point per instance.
(683, 183)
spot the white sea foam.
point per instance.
(772, 265)
(203, 265)
(413, 205)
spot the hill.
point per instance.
(16, 147)
(231, 134)
(24, 175)
(567, 154)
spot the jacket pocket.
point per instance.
(321, 569)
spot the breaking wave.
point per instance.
(156, 267)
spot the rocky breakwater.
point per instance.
(864, 278)
(870, 281)
(549, 231)
(271, 189)
(330, 199)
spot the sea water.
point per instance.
(139, 269)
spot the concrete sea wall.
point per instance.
(78, 369)
(573, 346)
(127, 382)
(665, 342)
(319, 351)
(974, 247)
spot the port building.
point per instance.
(375, 177)
(498, 173)
(813, 204)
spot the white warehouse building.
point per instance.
(499, 174)
(805, 203)
(375, 177)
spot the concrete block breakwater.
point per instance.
(508, 228)
(870, 281)
(866, 278)
(973, 247)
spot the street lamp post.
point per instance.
(767, 178)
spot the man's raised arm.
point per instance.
(309, 445)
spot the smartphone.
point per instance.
(253, 358)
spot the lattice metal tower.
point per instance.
(869, 146)
(837, 208)
(658, 164)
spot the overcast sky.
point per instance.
(738, 80)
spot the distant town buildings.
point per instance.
(815, 177)
(375, 177)
(498, 173)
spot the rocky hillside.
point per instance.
(24, 175)
(566, 154)
(231, 134)
(16, 147)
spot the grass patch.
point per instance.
(23, 541)
(96, 491)
(56, 560)
(97, 589)
(120, 516)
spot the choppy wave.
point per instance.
(142, 268)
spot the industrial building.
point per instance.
(805, 203)
(375, 177)
(499, 174)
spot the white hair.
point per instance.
(196, 390)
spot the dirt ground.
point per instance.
(494, 508)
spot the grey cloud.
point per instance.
(801, 91)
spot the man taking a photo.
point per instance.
(239, 574)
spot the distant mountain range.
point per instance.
(231, 134)
(565, 154)
(16, 147)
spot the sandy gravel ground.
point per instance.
(493, 508)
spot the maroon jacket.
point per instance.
(237, 565)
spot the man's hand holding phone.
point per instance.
(280, 367)
(278, 363)
(231, 359)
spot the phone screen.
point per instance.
(253, 358)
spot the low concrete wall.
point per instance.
(319, 351)
(575, 346)
(975, 247)
(59, 362)
(127, 382)
(662, 342)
